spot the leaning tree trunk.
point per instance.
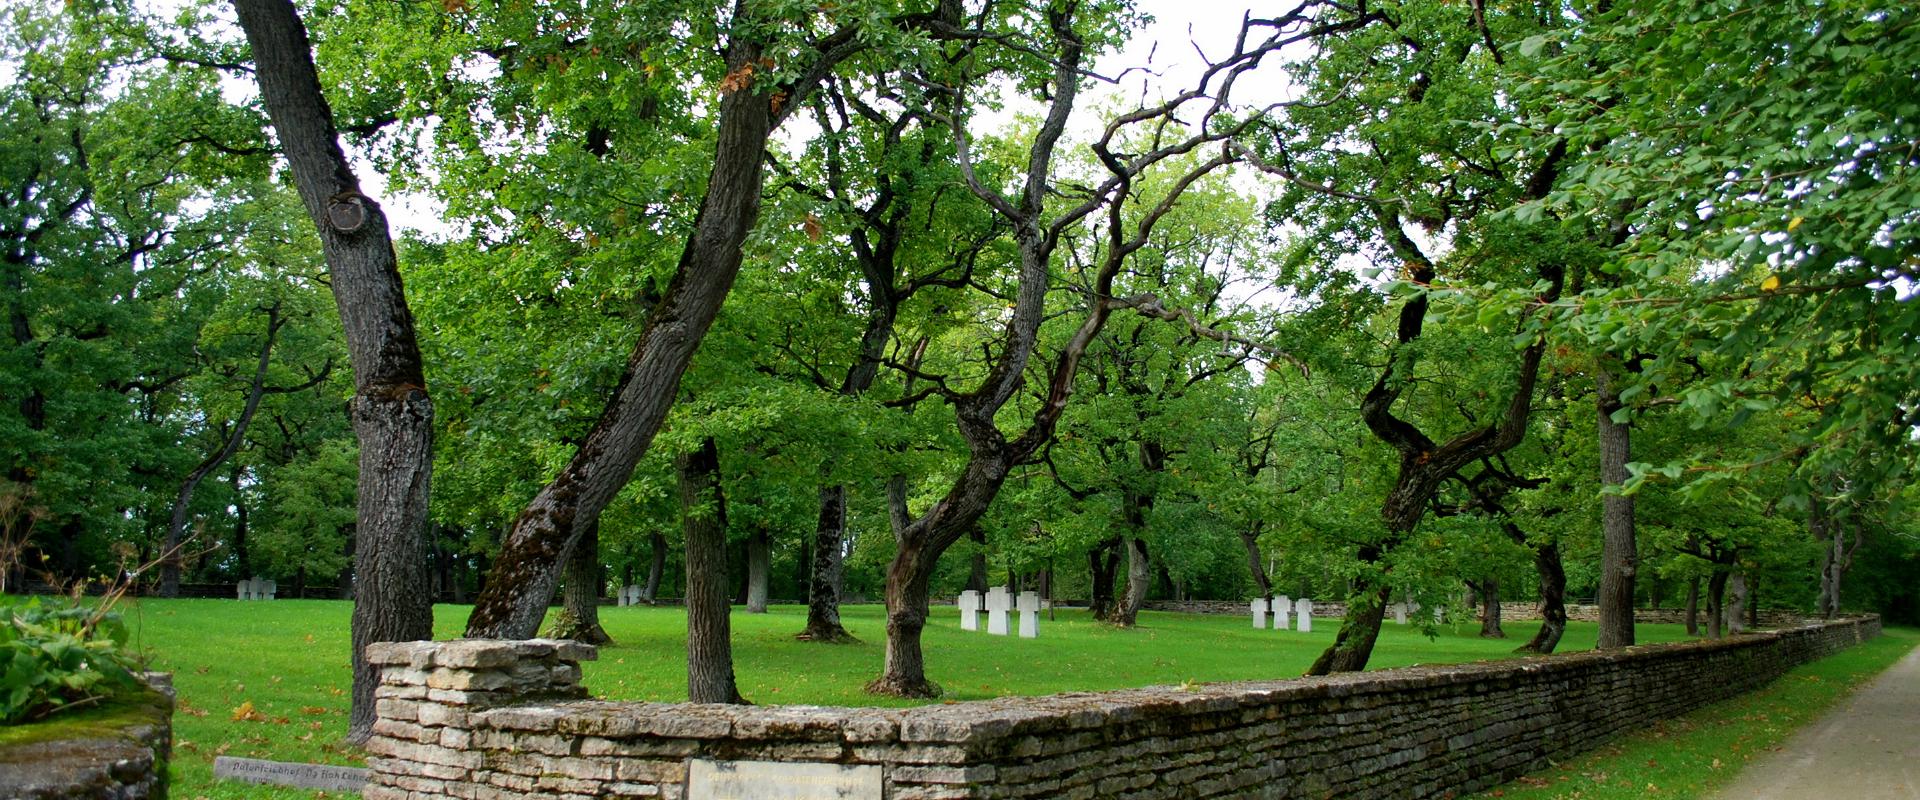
(526, 568)
(1553, 600)
(580, 592)
(758, 564)
(392, 414)
(709, 638)
(1619, 556)
(1353, 645)
(1251, 540)
(177, 524)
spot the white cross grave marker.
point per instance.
(1303, 610)
(969, 604)
(1280, 606)
(240, 590)
(1399, 613)
(1259, 608)
(1029, 615)
(999, 601)
(272, 589)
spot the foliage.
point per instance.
(56, 655)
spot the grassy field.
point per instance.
(268, 680)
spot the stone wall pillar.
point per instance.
(422, 745)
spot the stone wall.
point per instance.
(115, 751)
(480, 719)
(1512, 610)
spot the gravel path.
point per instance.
(1869, 749)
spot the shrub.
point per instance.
(56, 654)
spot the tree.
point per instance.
(392, 413)
(749, 108)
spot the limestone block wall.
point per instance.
(1510, 610)
(481, 719)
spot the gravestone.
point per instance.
(272, 588)
(242, 589)
(629, 595)
(777, 780)
(288, 773)
(1281, 605)
(1259, 608)
(999, 601)
(1029, 615)
(969, 603)
(1399, 613)
(1303, 611)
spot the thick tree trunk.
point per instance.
(823, 584)
(977, 564)
(759, 563)
(526, 568)
(1553, 600)
(392, 414)
(1693, 606)
(1139, 576)
(1490, 610)
(580, 592)
(905, 670)
(1103, 563)
(1619, 555)
(709, 637)
(656, 567)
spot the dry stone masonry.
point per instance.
(486, 719)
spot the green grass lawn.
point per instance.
(268, 680)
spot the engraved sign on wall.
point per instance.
(775, 780)
(288, 773)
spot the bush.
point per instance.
(57, 654)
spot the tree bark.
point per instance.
(656, 567)
(977, 564)
(1139, 576)
(758, 565)
(1619, 556)
(526, 568)
(823, 581)
(1103, 563)
(1553, 600)
(392, 413)
(1737, 602)
(580, 591)
(1490, 610)
(709, 637)
(1693, 606)
(1251, 540)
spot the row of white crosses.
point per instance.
(998, 602)
(1302, 611)
(255, 589)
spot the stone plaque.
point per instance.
(775, 780)
(289, 773)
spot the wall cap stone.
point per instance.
(476, 653)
